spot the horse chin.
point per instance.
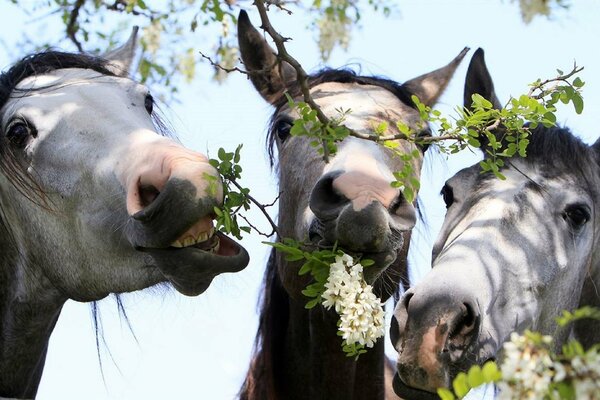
(323, 236)
(409, 393)
(191, 269)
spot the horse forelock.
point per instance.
(43, 63)
(561, 151)
(327, 75)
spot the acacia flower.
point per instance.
(361, 312)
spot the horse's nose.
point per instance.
(433, 328)
(171, 194)
(338, 189)
(164, 163)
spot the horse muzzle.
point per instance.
(366, 222)
(176, 230)
(437, 335)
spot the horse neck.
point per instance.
(300, 355)
(29, 309)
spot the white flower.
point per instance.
(361, 312)
(531, 371)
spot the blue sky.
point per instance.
(200, 347)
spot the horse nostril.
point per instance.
(465, 328)
(468, 320)
(148, 194)
(325, 202)
(406, 300)
(394, 331)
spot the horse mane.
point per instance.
(343, 75)
(557, 149)
(260, 382)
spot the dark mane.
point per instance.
(558, 149)
(44, 62)
(270, 338)
(340, 76)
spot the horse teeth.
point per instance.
(191, 241)
(217, 246)
(204, 236)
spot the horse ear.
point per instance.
(269, 76)
(479, 81)
(120, 59)
(429, 87)
(596, 148)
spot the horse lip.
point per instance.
(191, 270)
(409, 393)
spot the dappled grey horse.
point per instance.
(348, 201)
(93, 200)
(511, 255)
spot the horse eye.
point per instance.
(576, 215)
(19, 132)
(448, 195)
(149, 103)
(282, 129)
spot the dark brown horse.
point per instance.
(348, 201)
(93, 200)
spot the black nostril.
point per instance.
(325, 201)
(406, 300)
(468, 319)
(466, 322)
(147, 195)
(394, 331)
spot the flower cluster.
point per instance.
(531, 371)
(361, 312)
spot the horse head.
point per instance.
(511, 255)
(348, 200)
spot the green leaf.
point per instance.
(312, 303)
(566, 390)
(475, 376)
(305, 269)
(445, 394)
(577, 82)
(490, 372)
(365, 262)
(577, 103)
(461, 385)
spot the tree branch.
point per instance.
(262, 208)
(561, 78)
(72, 26)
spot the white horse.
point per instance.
(511, 255)
(93, 200)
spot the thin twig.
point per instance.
(560, 78)
(72, 26)
(262, 207)
(279, 4)
(268, 235)
(222, 68)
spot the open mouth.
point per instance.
(197, 256)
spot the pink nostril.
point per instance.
(147, 195)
